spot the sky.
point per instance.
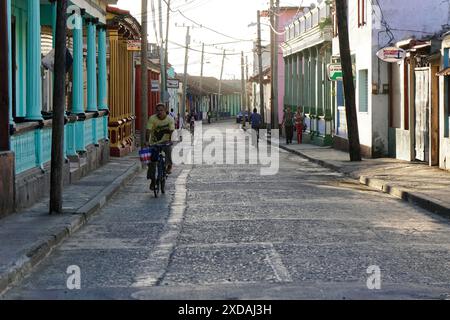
(229, 17)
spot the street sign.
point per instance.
(173, 84)
(155, 86)
(391, 54)
(134, 45)
(334, 72)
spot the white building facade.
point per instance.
(374, 25)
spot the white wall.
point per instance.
(421, 18)
(360, 46)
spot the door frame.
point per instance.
(427, 140)
(434, 116)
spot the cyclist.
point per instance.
(159, 131)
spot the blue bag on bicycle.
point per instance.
(145, 155)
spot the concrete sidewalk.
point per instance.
(418, 183)
(29, 236)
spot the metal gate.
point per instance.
(422, 114)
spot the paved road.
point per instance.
(226, 232)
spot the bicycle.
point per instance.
(161, 168)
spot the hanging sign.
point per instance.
(134, 45)
(391, 54)
(334, 72)
(155, 86)
(173, 84)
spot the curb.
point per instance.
(434, 205)
(41, 250)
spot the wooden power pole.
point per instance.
(244, 96)
(166, 51)
(56, 175)
(144, 72)
(186, 60)
(349, 87)
(272, 59)
(201, 77)
(219, 106)
(162, 59)
(275, 121)
(261, 76)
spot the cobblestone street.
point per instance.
(227, 232)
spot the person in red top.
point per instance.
(299, 125)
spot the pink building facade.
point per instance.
(287, 14)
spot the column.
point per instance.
(300, 80)
(294, 80)
(286, 81)
(34, 85)
(318, 86)
(102, 72)
(8, 18)
(92, 66)
(53, 2)
(289, 76)
(77, 91)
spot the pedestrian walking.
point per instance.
(288, 124)
(299, 125)
(256, 122)
(209, 116)
(172, 114)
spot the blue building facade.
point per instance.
(31, 38)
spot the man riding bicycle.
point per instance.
(159, 132)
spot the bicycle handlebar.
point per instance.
(167, 144)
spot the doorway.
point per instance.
(422, 114)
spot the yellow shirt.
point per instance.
(156, 125)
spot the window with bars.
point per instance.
(363, 88)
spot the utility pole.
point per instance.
(4, 78)
(162, 56)
(56, 174)
(272, 59)
(247, 96)
(261, 77)
(349, 87)
(275, 69)
(219, 107)
(201, 76)
(144, 72)
(186, 59)
(166, 56)
(243, 95)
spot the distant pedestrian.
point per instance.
(209, 116)
(172, 114)
(256, 122)
(299, 125)
(288, 124)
